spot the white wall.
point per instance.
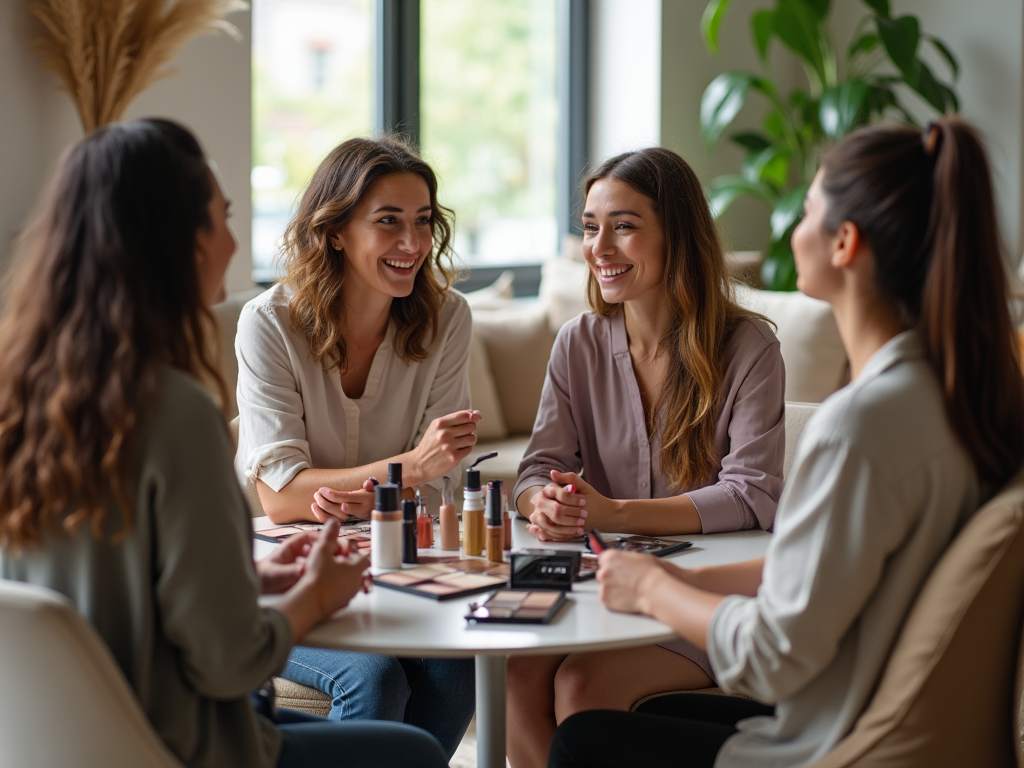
(986, 35)
(211, 94)
(625, 93)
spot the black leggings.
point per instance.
(685, 730)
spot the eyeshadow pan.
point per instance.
(531, 613)
(470, 580)
(438, 589)
(541, 599)
(400, 578)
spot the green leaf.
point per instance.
(778, 271)
(866, 43)
(751, 140)
(722, 100)
(842, 109)
(901, 37)
(711, 21)
(947, 54)
(774, 125)
(787, 212)
(881, 7)
(762, 27)
(931, 90)
(797, 26)
(819, 7)
(723, 191)
(769, 166)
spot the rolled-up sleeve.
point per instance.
(842, 522)
(746, 493)
(554, 444)
(272, 431)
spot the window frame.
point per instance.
(397, 106)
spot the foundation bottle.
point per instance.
(386, 529)
(395, 476)
(495, 524)
(449, 517)
(506, 520)
(424, 523)
(472, 514)
(409, 553)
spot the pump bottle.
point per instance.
(386, 529)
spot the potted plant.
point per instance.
(845, 89)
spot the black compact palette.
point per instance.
(518, 606)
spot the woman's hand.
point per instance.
(334, 572)
(447, 441)
(329, 503)
(625, 579)
(567, 507)
(283, 567)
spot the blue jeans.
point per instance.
(312, 742)
(437, 695)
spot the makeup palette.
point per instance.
(446, 580)
(515, 606)
(358, 532)
(643, 544)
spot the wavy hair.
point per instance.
(704, 315)
(315, 270)
(925, 204)
(105, 289)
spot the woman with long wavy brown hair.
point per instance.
(116, 485)
(358, 359)
(662, 413)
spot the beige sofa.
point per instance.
(512, 341)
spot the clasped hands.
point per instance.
(447, 441)
(567, 507)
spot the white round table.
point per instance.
(395, 623)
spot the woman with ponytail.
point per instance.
(662, 413)
(900, 236)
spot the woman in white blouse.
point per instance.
(359, 358)
(900, 236)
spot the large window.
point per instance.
(488, 106)
(489, 120)
(312, 68)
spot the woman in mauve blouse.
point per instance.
(662, 413)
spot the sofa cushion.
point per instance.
(518, 342)
(504, 466)
(227, 313)
(946, 694)
(809, 341)
(483, 393)
(563, 290)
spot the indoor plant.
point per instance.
(845, 89)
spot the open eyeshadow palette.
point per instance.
(516, 606)
(645, 544)
(447, 580)
(357, 531)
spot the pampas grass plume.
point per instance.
(107, 52)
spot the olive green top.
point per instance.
(176, 600)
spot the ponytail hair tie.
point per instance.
(931, 140)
